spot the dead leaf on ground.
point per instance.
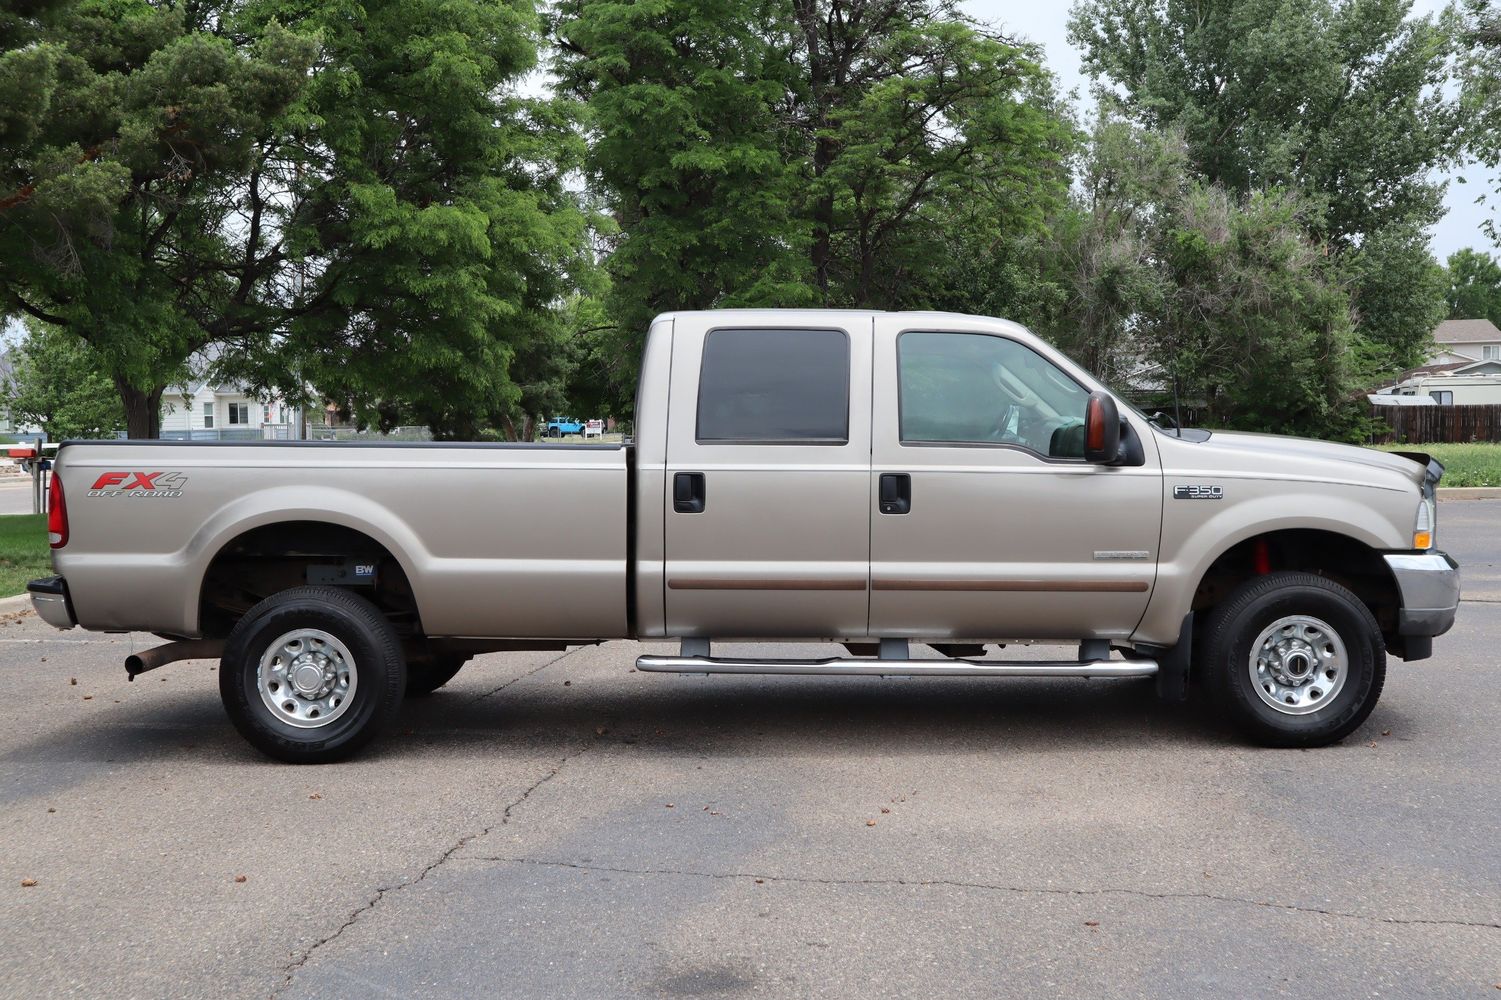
(1091, 923)
(885, 810)
(870, 822)
(241, 878)
(316, 795)
(73, 681)
(27, 883)
(601, 730)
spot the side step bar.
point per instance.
(844, 666)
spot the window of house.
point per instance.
(971, 388)
(239, 413)
(208, 414)
(1444, 397)
(774, 386)
(1490, 352)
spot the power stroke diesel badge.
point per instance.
(139, 484)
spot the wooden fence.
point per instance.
(1438, 424)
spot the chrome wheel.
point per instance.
(1298, 664)
(307, 678)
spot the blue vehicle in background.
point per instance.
(561, 426)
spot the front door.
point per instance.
(987, 522)
(767, 479)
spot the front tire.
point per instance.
(1294, 660)
(312, 674)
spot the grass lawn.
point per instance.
(1464, 464)
(23, 551)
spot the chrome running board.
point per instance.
(847, 667)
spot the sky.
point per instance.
(1046, 23)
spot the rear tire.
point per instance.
(312, 674)
(1294, 660)
(427, 675)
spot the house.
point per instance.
(205, 411)
(1460, 340)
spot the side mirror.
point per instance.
(1102, 429)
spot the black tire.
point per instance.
(1233, 627)
(380, 674)
(425, 676)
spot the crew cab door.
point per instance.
(987, 521)
(767, 481)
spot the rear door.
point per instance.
(988, 523)
(768, 469)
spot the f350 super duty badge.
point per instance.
(139, 484)
(1198, 493)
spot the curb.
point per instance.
(10, 605)
(1469, 493)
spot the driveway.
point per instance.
(561, 826)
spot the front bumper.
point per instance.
(1429, 585)
(49, 596)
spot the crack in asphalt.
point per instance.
(289, 972)
(990, 887)
(530, 673)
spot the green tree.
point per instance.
(1253, 325)
(430, 210)
(1480, 75)
(125, 214)
(1397, 289)
(57, 383)
(1474, 286)
(1102, 248)
(786, 152)
(1341, 100)
(354, 197)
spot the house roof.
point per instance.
(1466, 331)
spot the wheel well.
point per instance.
(276, 557)
(1340, 558)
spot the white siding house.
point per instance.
(217, 412)
(1459, 340)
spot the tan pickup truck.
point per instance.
(873, 479)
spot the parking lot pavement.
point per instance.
(560, 826)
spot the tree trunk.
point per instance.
(143, 409)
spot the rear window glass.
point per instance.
(771, 386)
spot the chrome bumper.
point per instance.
(49, 597)
(1429, 584)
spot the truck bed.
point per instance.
(520, 540)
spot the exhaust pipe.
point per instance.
(187, 649)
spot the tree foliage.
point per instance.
(1340, 100)
(57, 384)
(1474, 286)
(345, 195)
(820, 152)
(1480, 35)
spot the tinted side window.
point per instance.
(965, 388)
(774, 386)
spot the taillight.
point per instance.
(57, 514)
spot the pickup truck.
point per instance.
(871, 479)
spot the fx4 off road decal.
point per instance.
(139, 484)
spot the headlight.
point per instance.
(1425, 525)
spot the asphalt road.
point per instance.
(559, 826)
(15, 495)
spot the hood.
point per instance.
(1274, 446)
